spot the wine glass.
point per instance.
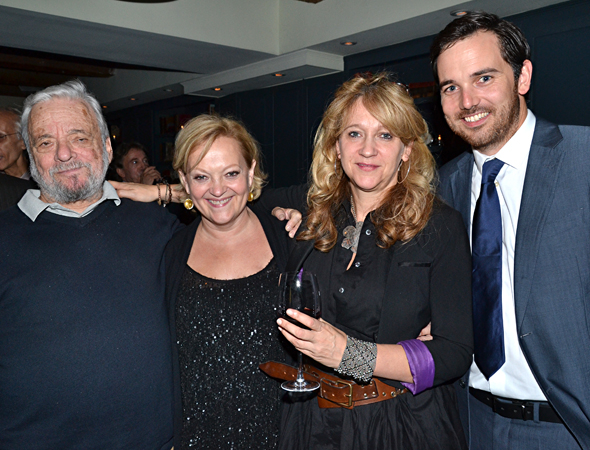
(300, 291)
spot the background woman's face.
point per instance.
(370, 155)
(219, 185)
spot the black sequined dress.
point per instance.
(224, 330)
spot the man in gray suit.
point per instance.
(528, 386)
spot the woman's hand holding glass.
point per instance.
(325, 344)
(322, 342)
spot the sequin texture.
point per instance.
(225, 329)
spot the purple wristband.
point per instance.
(421, 365)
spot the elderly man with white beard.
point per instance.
(85, 348)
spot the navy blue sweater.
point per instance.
(84, 341)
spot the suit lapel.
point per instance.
(537, 196)
(461, 189)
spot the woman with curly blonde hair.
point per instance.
(405, 207)
(390, 259)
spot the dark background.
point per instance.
(284, 118)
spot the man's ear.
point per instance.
(109, 149)
(525, 77)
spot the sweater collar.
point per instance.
(32, 205)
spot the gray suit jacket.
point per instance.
(551, 264)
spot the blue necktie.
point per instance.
(486, 276)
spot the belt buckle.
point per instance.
(497, 403)
(522, 408)
(334, 383)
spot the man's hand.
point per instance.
(150, 175)
(425, 333)
(292, 216)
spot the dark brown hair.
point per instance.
(123, 149)
(514, 47)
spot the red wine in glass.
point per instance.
(300, 291)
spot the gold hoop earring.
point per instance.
(407, 173)
(188, 204)
(251, 196)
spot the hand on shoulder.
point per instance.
(136, 191)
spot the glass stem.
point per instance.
(300, 379)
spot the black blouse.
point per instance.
(389, 295)
(353, 297)
(393, 293)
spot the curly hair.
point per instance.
(203, 130)
(406, 206)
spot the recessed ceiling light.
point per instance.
(218, 89)
(104, 106)
(348, 43)
(458, 13)
(132, 99)
(279, 74)
(167, 90)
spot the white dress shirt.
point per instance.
(514, 379)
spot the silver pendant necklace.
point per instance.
(352, 233)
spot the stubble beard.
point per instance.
(506, 124)
(57, 191)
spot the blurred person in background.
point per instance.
(13, 158)
(132, 164)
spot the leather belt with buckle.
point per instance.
(336, 392)
(516, 409)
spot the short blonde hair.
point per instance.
(203, 130)
(406, 207)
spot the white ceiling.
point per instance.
(235, 44)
